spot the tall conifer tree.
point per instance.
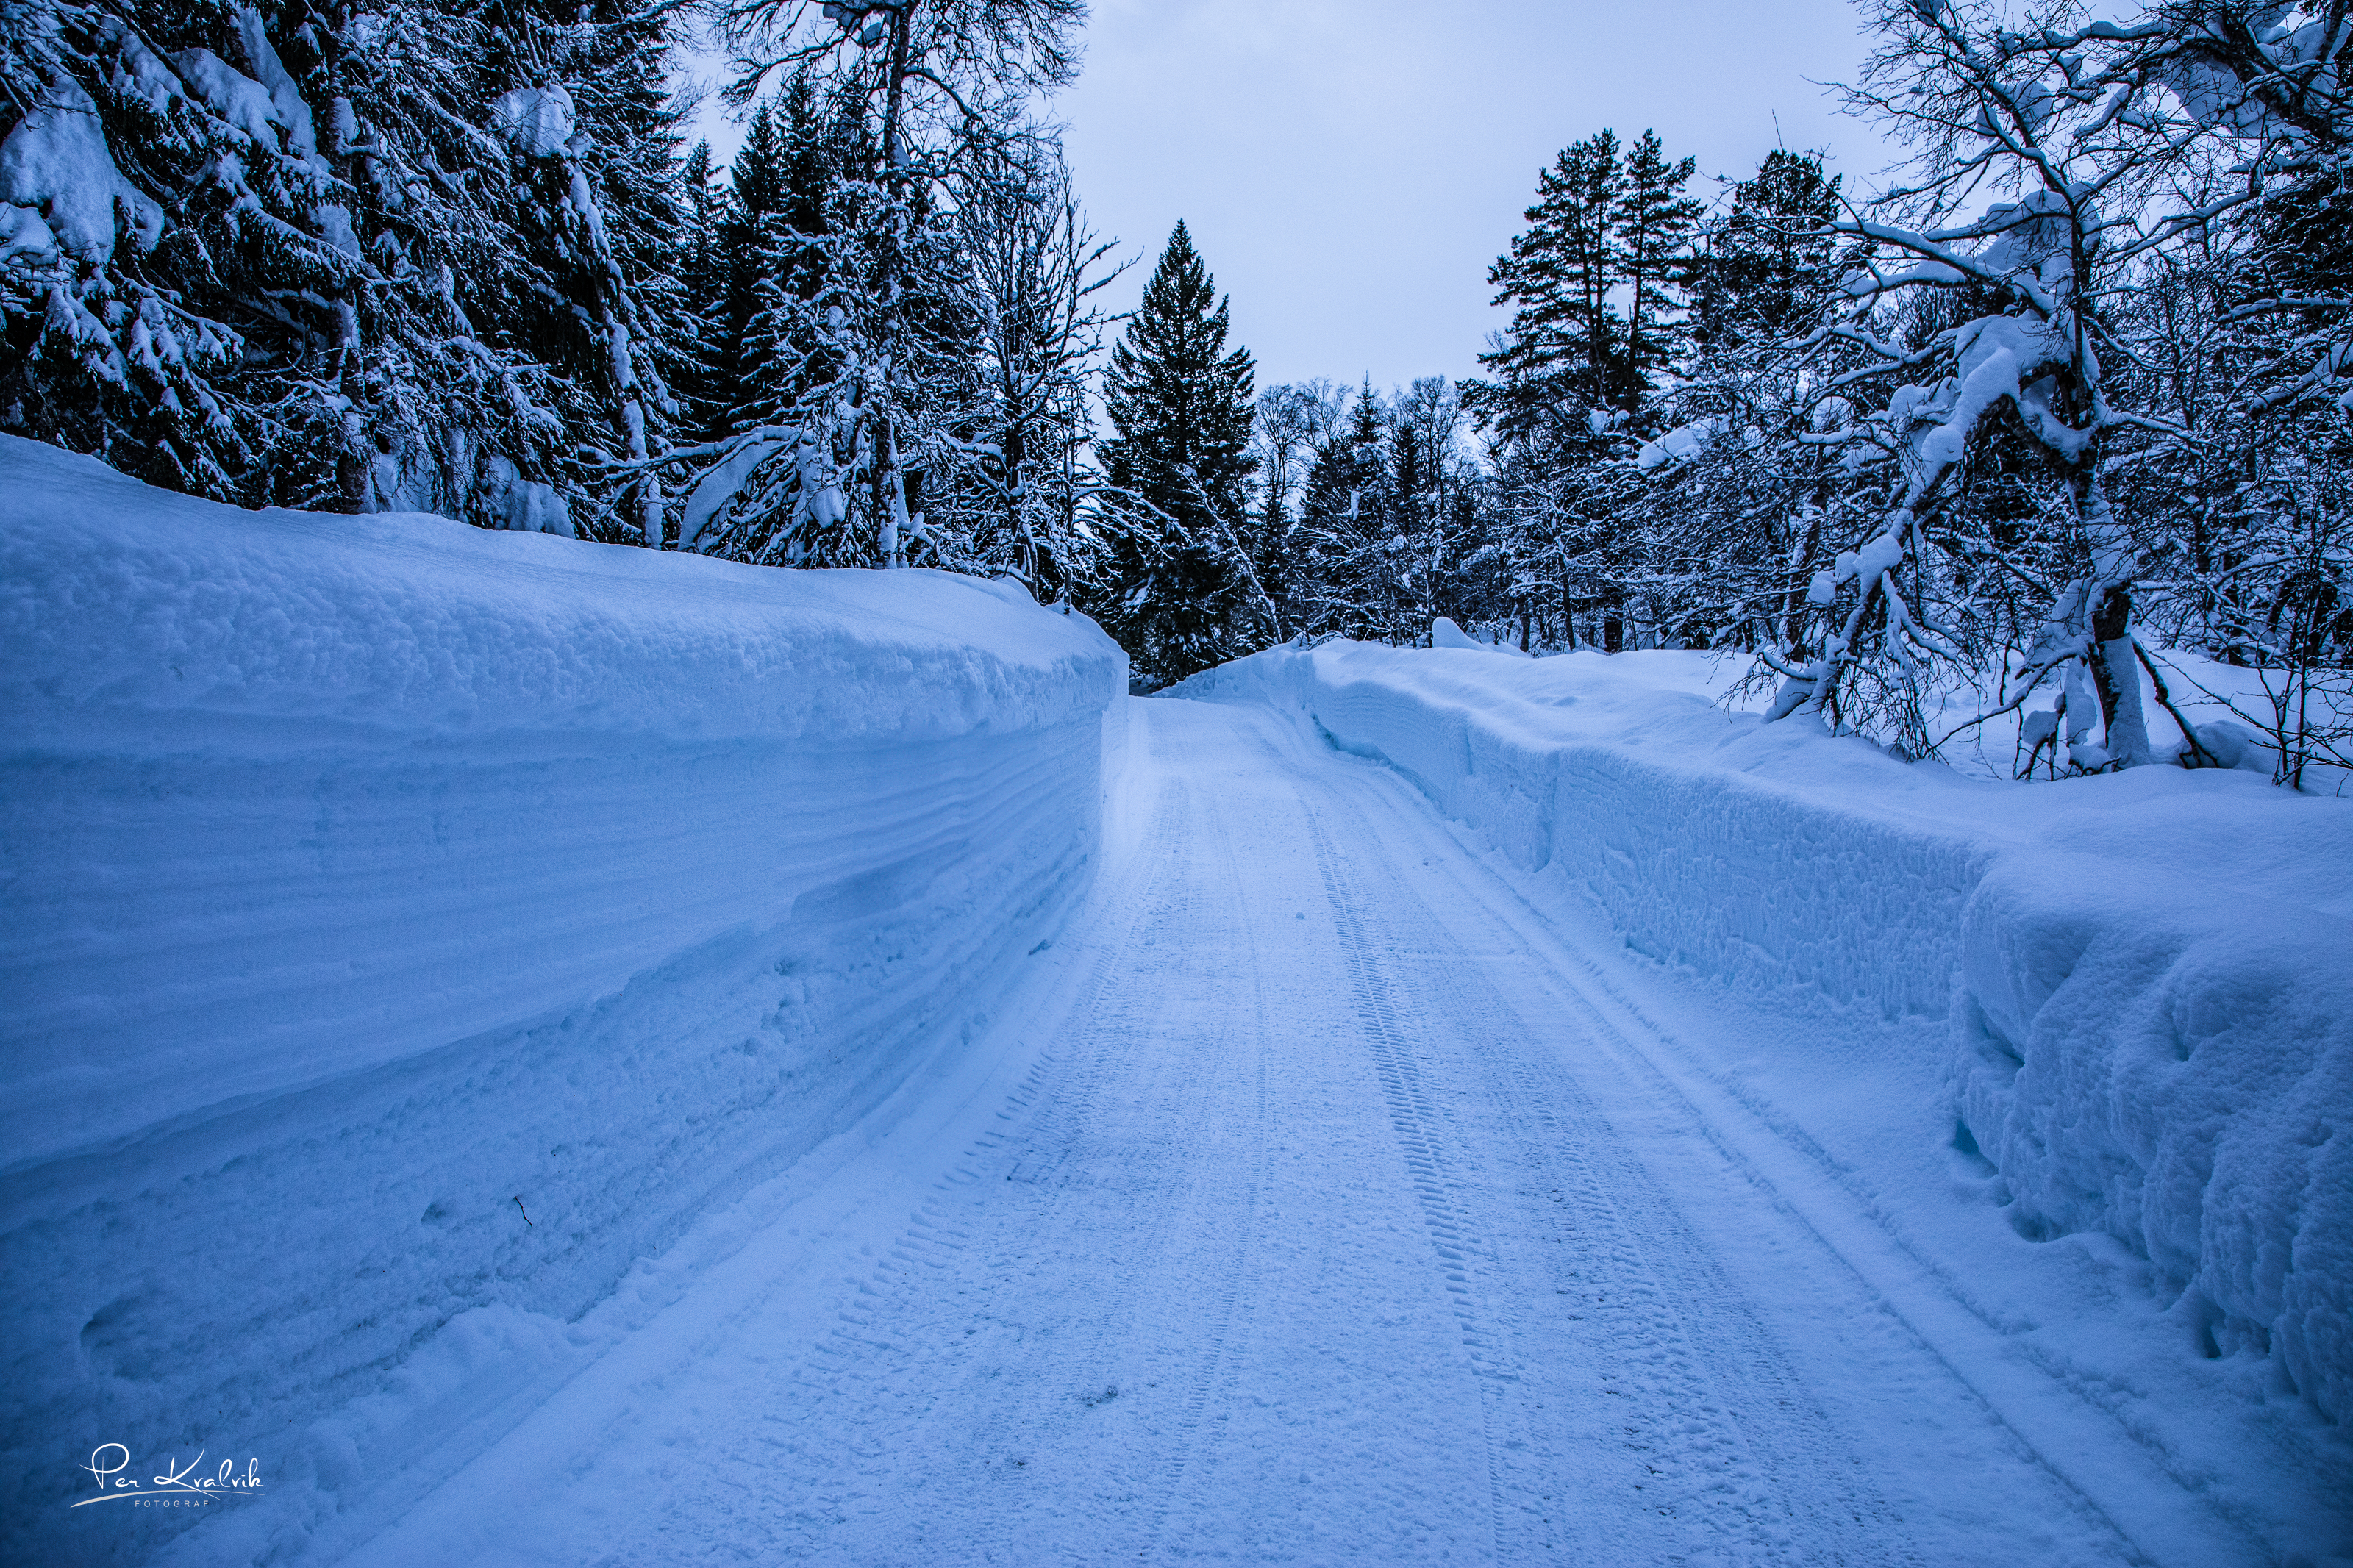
(1654, 222)
(702, 278)
(1566, 337)
(1184, 594)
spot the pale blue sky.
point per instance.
(1350, 167)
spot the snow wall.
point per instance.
(408, 924)
(2145, 1043)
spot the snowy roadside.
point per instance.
(409, 928)
(2138, 985)
(1981, 737)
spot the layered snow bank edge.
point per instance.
(411, 927)
(2161, 1056)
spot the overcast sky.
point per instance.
(1350, 168)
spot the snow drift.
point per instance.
(2149, 976)
(409, 927)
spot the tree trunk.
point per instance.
(1793, 616)
(890, 483)
(2116, 669)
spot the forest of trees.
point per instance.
(2072, 396)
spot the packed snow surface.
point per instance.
(630, 1059)
(2149, 976)
(1329, 1192)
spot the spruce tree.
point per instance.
(1180, 404)
(749, 219)
(785, 258)
(1348, 520)
(580, 94)
(702, 278)
(1767, 263)
(773, 257)
(147, 189)
(407, 259)
(845, 302)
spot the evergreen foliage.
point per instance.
(1182, 592)
(1607, 226)
(401, 259)
(904, 315)
(1653, 221)
(1562, 350)
(698, 372)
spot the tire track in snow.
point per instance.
(856, 1381)
(1728, 1434)
(2092, 1475)
(1424, 1143)
(1012, 1187)
(1212, 1357)
(2162, 1530)
(1744, 1460)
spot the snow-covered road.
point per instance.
(1315, 1198)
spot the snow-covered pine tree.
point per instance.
(1348, 581)
(784, 369)
(1563, 347)
(894, 361)
(148, 188)
(853, 301)
(1652, 225)
(282, 229)
(579, 94)
(397, 401)
(774, 255)
(747, 224)
(1181, 592)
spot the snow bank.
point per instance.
(410, 925)
(2149, 976)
